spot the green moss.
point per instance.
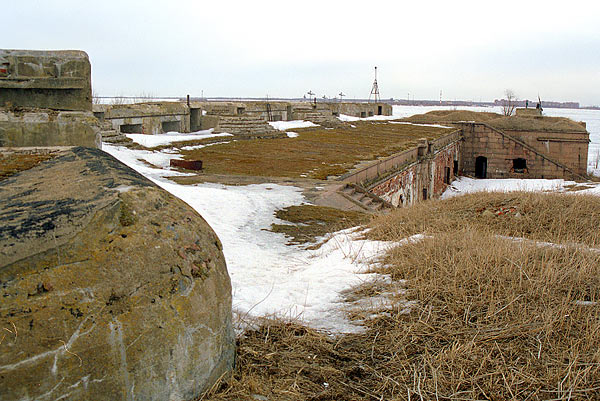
(311, 222)
(127, 216)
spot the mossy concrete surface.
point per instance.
(111, 288)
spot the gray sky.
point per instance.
(468, 49)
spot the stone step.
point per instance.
(115, 138)
(363, 199)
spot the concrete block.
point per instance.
(58, 80)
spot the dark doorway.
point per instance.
(171, 126)
(455, 167)
(481, 167)
(195, 119)
(379, 110)
(131, 129)
(519, 165)
(447, 176)
(424, 193)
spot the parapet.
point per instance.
(528, 112)
(57, 80)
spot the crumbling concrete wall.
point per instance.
(46, 99)
(146, 118)
(48, 128)
(361, 109)
(57, 80)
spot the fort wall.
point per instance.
(490, 153)
(57, 80)
(362, 109)
(46, 99)
(413, 175)
(146, 118)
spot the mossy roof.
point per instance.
(498, 121)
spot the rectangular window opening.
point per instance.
(131, 128)
(519, 165)
(171, 126)
(447, 176)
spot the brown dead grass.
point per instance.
(498, 121)
(551, 217)
(494, 319)
(315, 153)
(310, 222)
(11, 164)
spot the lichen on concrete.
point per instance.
(114, 288)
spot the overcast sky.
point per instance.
(470, 50)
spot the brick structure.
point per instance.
(507, 147)
(414, 175)
(491, 153)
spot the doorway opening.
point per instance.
(481, 167)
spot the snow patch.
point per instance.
(151, 141)
(268, 277)
(285, 125)
(465, 185)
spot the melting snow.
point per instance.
(268, 277)
(464, 185)
(151, 141)
(285, 125)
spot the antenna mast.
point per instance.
(375, 89)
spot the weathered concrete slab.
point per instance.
(146, 118)
(48, 128)
(111, 288)
(58, 80)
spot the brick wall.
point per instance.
(426, 178)
(501, 152)
(570, 149)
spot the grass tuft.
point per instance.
(310, 222)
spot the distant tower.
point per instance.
(375, 89)
(440, 97)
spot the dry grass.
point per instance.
(498, 121)
(557, 218)
(451, 116)
(310, 222)
(497, 320)
(315, 153)
(494, 319)
(11, 164)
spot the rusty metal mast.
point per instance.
(375, 89)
